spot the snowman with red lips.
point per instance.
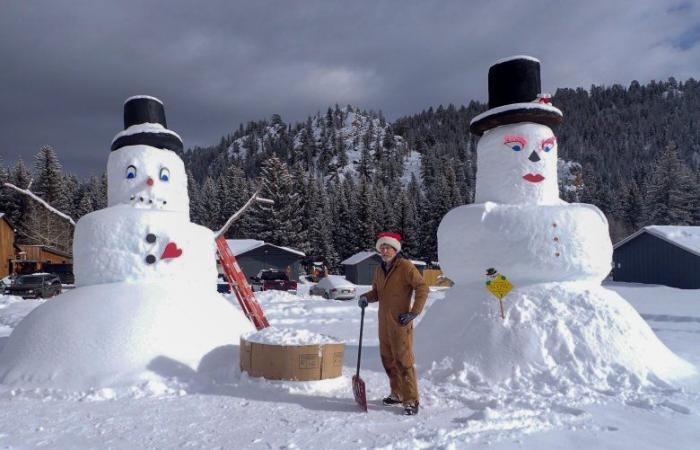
(145, 304)
(560, 326)
(518, 223)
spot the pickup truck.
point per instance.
(271, 279)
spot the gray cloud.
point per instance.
(68, 66)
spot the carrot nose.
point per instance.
(150, 181)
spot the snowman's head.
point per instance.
(517, 163)
(148, 178)
(143, 169)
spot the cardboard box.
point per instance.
(298, 363)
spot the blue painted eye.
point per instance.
(164, 174)
(548, 147)
(515, 146)
(130, 172)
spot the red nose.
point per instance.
(150, 181)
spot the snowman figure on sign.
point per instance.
(145, 303)
(498, 285)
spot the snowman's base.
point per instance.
(294, 361)
(118, 334)
(553, 335)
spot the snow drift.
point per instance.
(553, 334)
(120, 334)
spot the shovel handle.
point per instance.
(359, 347)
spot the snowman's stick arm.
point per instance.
(240, 212)
(41, 201)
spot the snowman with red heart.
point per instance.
(145, 304)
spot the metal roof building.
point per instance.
(668, 255)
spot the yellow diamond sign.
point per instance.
(499, 286)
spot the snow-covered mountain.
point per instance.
(341, 141)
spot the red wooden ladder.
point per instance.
(239, 285)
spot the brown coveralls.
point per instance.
(393, 291)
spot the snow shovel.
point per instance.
(358, 386)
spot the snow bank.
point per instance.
(121, 334)
(554, 335)
(289, 336)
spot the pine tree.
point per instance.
(209, 211)
(320, 229)
(279, 223)
(407, 226)
(671, 190)
(89, 197)
(193, 194)
(43, 226)
(5, 204)
(19, 206)
(367, 216)
(48, 182)
(344, 218)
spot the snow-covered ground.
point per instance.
(236, 411)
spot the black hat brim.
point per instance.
(516, 113)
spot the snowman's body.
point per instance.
(529, 243)
(560, 327)
(145, 303)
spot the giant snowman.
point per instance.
(145, 303)
(560, 327)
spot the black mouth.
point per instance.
(150, 201)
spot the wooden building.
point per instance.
(667, 255)
(8, 249)
(32, 258)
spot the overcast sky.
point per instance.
(67, 66)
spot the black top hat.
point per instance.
(515, 95)
(144, 124)
(491, 271)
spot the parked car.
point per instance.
(334, 287)
(36, 285)
(271, 279)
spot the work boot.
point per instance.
(410, 409)
(391, 400)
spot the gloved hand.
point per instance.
(362, 302)
(406, 318)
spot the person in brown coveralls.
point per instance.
(394, 283)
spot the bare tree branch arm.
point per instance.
(41, 201)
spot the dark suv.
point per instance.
(271, 279)
(37, 285)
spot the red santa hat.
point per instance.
(388, 238)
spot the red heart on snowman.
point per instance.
(171, 251)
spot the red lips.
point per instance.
(533, 177)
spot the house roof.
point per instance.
(4, 217)
(241, 246)
(359, 257)
(683, 236)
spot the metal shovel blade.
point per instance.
(358, 389)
